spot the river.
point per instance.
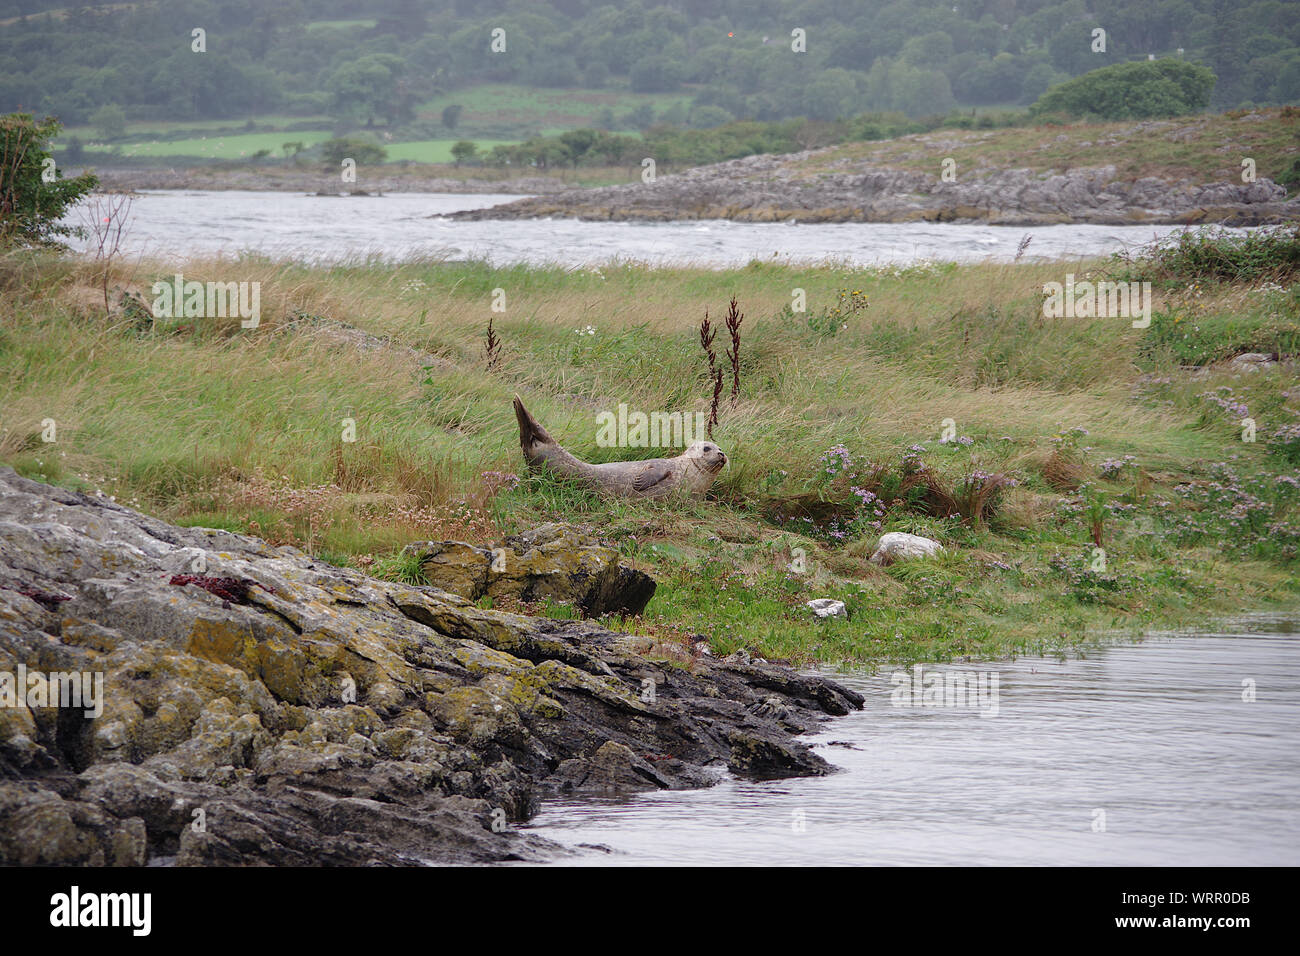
(1135, 754)
(402, 226)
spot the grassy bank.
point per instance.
(1065, 432)
(1202, 149)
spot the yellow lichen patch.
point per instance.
(224, 641)
(479, 660)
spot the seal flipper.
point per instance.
(531, 433)
(655, 471)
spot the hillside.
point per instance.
(388, 64)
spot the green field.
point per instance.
(433, 150)
(239, 146)
(243, 146)
(504, 105)
(488, 111)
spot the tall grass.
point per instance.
(204, 422)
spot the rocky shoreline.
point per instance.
(261, 707)
(251, 179)
(776, 189)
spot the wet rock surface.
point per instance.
(768, 188)
(261, 707)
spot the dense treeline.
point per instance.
(674, 147)
(1123, 91)
(918, 57)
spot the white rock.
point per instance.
(1251, 362)
(899, 546)
(825, 607)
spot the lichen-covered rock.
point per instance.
(277, 710)
(554, 561)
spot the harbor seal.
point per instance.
(691, 472)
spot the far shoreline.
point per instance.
(395, 179)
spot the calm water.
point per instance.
(1155, 734)
(407, 225)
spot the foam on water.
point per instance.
(183, 223)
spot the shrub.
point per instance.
(1215, 255)
(1193, 339)
(31, 207)
(334, 151)
(1139, 90)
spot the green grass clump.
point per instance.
(1216, 255)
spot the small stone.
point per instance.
(899, 546)
(826, 607)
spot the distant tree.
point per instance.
(1138, 90)
(578, 142)
(613, 149)
(368, 87)
(1286, 83)
(109, 121)
(1036, 82)
(656, 74)
(708, 117)
(361, 151)
(674, 115)
(404, 18)
(451, 115)
(1070, 48)
(832, 95)
(920, 92)
(1226, 54)
(639, 117)
(31, 206)
(559, 70)
(549, 153)
(75, 151)
(462, 151)
(928, 52)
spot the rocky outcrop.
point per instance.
(776, 189)
(552, 562)
(257, 706)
